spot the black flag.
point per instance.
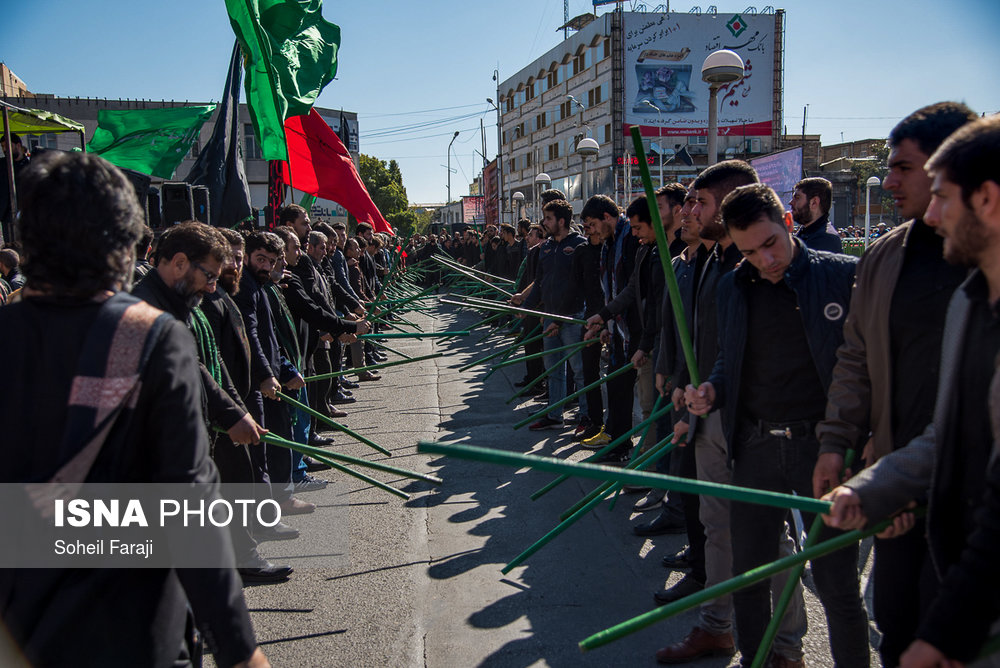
(220, 164)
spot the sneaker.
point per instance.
(612, 459)
(310, 484)
(588, 432)
(652, 500)
(368, 375)
(581, 426)
(546, 423)
(596, 442)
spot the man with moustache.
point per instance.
(270, 370)
(781, 316)
(711, 538)
(811, 210)
(887, 369)
(953, 463)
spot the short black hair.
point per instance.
(13, 139)
(267, 241)
(724, 177)
(747, 204)
(598, 205)
(674, 192)
(79, 222)
(639, 208)
(196, 240)
(551, 195)
(561, 209)
(287, 234)
(364, 227)
(816, 186)
(929, 126)
(340, 226)
(290, 214)
(507, 227)
(968, 157)
(232, 236)
(523, 226)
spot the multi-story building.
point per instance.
(644, 69)
(84, 111)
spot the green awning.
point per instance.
(38, 121)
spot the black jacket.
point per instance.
(555, 290)
(822, 284)
(231, 338)
(266, 360)
(821, 235)
(309, 301)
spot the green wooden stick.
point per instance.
(534, 335)
(396, 352)
(370, 367)
(413, 335)
(627, 477)
(455, 265)
(662, 245)
(487, 320)
(542, 375)
(729, 586)
(515, 309)
(654, 416)
(660, 449)
(566, 400)
(314, 451)
(506, 350)
(336, 425)
(534, 356)
(563, 525)
(793, 578)
(482, 281)
(338, 467)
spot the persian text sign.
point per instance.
(663, 58)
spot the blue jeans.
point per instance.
(568, 333)
(300, 434)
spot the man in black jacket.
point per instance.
(60, 616)
(781, 318)
(810, 208)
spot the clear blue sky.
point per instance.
(860, 66)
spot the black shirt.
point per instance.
(916, 327)
(974, 441)
(779, 382)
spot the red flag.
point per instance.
(320, 165)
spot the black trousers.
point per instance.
(620, 392)
(319, 389)
(278, 460)
(779, 464)
(235, 466)
(591, 357)
(905, 584)
(683, 465)
(536, 367)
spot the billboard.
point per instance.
(663, 86)
(781, 171)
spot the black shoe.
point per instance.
(309, 484)
(521, 383)
(262, 571)
(663, 524)
(346, 393)
(319, 441)
(543, 397)
(279, 531)
(314, 465)
(348, 384)
(687, 586)
(612, 458)
(679, 561)
(341, 398)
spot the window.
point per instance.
(597, 95)
(582, 61)
(530, 92)
(527, 160)
(542, 84)
(47, 140)
(564, 110)
(700, 140)
(607, 48)
(553, 151)
(513, 165)
(540, 121)
(251, 151)
(607, 133)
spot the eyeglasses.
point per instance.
(209, 276)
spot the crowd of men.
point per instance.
(800, 355)
(252, 315)
(789, 367)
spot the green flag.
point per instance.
(151, 141)
(291, 55)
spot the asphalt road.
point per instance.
(418, 582)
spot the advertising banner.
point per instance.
(781, 171)
(663, 87)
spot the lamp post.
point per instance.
(869, 184)
(659, 122)
(496, 105)
(454, 137)
(587, 148)
(540, 179)
(519, 198)
(720, 68)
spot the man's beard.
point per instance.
(191, 299)
(970, 238)
(713, 231)
(800, 216)
(263, 276)
(230, 281)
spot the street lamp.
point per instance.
(542, 180)
(449, 164)
(872, 182)
(582, 109)
(720, 68)
(496, 105)
(519, 198)
(660, 124)
(587, 148)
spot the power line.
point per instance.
(402, 129)
(422, 111)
